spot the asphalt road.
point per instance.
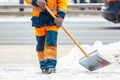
(21, 33)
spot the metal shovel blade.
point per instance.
(94, 61)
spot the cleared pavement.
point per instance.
(86, 32)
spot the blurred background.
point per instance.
(83, 20)
(70, 1)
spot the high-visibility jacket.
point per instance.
(42, 17)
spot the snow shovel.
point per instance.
(92, 61)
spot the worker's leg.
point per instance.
(40, 38)
(50, 48)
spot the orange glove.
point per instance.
(41, 3)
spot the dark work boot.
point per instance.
(42, 67)
(50, 70)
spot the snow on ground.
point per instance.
(68, 67)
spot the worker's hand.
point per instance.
(58, 21)
(41, 3)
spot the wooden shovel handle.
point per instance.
(68, 33)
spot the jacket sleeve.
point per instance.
(62, 7)
(32, 2)
(28, 1)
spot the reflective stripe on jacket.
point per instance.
(42, 17)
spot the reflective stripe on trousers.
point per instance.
(46, 42)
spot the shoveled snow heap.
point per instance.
(69, 63)
(111, 52)
(68, 67)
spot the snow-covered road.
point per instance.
(20, 63)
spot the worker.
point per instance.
(46, 30)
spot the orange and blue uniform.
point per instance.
(46, 30)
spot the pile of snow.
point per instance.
(68, 67)
(111, 52)
(69, 64)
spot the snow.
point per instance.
(68, 67)
(15, 65)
